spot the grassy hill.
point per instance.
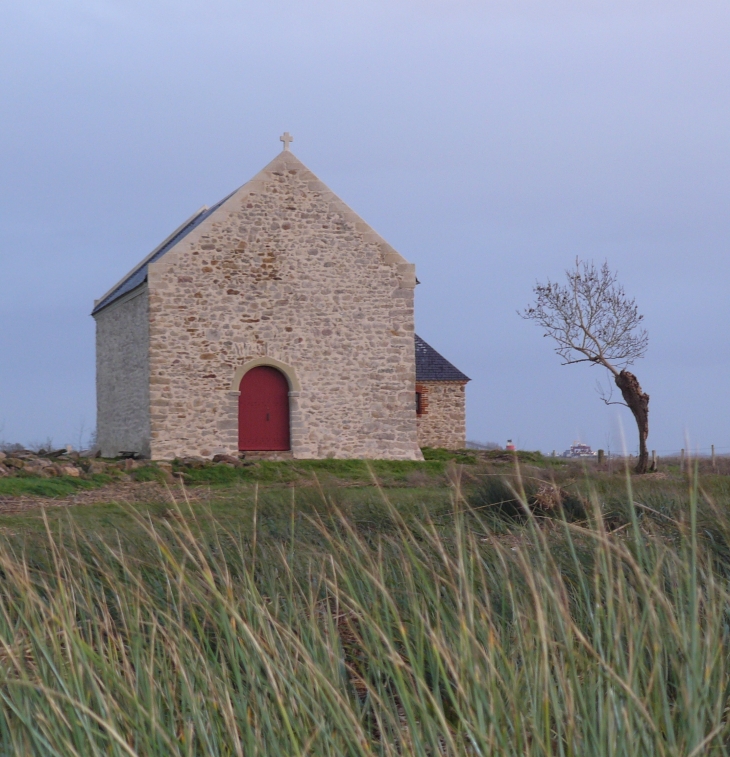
(456, 606)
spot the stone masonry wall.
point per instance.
(122, 375)
(284, 271)
(443, 420)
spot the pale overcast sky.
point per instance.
(490, 142)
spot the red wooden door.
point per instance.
(263, 410)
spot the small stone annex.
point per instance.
(276, 323)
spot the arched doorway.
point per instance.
(263, 410)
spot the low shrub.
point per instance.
(513, 497)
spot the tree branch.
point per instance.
(614, 403)
(590, 316)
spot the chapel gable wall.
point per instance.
(283, 270)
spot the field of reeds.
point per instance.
(506, 612)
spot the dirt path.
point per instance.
(148, 491)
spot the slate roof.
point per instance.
(138, 275)
(430, 366)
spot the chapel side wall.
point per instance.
(122, 376)
(284, 272)
(443, 420)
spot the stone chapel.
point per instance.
(275, 323)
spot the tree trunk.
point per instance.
(638, 403)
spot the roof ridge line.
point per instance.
(144, 262)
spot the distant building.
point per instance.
(578, 449)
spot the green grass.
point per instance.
(236, 508)
(148, 473)
(296, 471)
(521, 456)
(63, 486)
(300, 472)
(340, 618)
(460, 456)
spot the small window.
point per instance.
(419, 403)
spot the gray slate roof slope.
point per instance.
(138, 275)
(430, 366)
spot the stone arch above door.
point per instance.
(287, 370)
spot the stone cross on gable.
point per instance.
(286, 138)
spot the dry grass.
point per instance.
(460, 636)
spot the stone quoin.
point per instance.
(283, 279)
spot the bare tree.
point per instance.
(593, 321)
